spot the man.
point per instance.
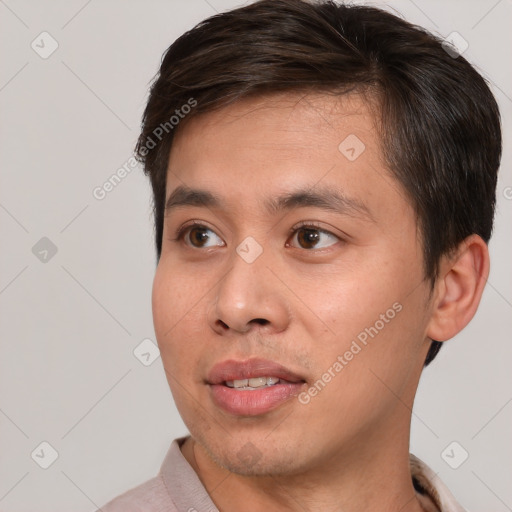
(324, 185)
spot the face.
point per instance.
(289, 301)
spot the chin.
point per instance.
(252, 457)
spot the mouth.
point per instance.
(252, 387)
(253, 383)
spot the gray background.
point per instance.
(70, 323)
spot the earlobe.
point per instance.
(459, 288)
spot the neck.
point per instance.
(362, 479)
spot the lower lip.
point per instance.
(253, 402)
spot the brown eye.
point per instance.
(313, 238)
(308, 238)
(200, 236)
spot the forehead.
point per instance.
(285, 121)
(258, 148)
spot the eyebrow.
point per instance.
(320, 197)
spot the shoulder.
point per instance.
(150, 496)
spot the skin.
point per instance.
(347, 449)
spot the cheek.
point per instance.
(378, 304)
(165, 300)
(347, 303)
(178, 312)
(370, 371)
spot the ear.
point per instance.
(458, 289)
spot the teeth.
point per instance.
(253, 383)
(258, 382)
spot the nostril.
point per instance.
(222, 324)
(261, 321)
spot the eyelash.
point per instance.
(182, 230)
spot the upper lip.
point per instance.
(236, 370)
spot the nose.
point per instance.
(249, 297)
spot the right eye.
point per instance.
(197, 236)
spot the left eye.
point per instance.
(310, 237)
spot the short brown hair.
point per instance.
(440, 122)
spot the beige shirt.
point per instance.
(177, 488)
